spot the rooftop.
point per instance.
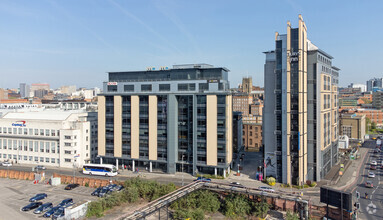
(40, 115)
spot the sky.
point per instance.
(76, 42)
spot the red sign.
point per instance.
(112, 83)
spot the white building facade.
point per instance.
(49, 137)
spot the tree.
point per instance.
(261, 209)
(237, 205)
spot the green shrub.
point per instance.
(292, 216)
(86, 184)
(95, 209)
(237, 206)
(313, 184)
(131, 194)
(261, 209)
(195, 214)
(271, 181)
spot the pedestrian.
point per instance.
(146, 168)
(125, 167)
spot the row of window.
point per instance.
(29, 158)
(30, 131)
(326, 83)
(32, 146)
(165, 87)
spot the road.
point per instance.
(372, 207)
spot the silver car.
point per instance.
(266, 188)
(371, 175)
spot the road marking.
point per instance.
(371, 208)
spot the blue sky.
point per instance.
(75, 42)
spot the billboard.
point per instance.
(336, 198)
(270, 164)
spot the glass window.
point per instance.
(36, 131)
(14, 130)
(30, 158)
(47, 132)
(20, 131)
(25, 131)
(15, 157)
(146, 87)
(53, 160)
(164, 87)
(129, 88)
(36, 159)
(112, 88)
(53, 133)
(47, 159)
(36, 146)
(25, 145)
(14, 145)
(9, 156)
(203, 87)
(41, 147)
(183, 87)
(31, 131)
(67, 160)
(47, 147)
(53, 147)
(9, 130)
(41, 159)
(25, 157)
(42, 132)
(1, 131)
(30, 145)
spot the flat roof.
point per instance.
(40, 115)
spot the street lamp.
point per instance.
(74, 167)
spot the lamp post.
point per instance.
(182, 168)
(74, 166)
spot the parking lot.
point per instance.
(15, 194)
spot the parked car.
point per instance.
(60, 212)
(369, 184)
(103, 191)
(266, 188)
(96, 192)
(40, 167)
(119, 187)
(237, 184)
(373, 163)
(72, 186)
(66, 201)
(44, 207)
(372, 167)
(6, 164)
(50, 212)
(38, 197)
(371, 175)
(203, 179)
(31, 206)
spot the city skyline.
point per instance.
(61, 43)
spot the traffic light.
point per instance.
(357, 195)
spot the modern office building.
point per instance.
(374, 83)
(48, 137)
(24, 90)
(377, 99)
(299, 116)
(177, 119)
